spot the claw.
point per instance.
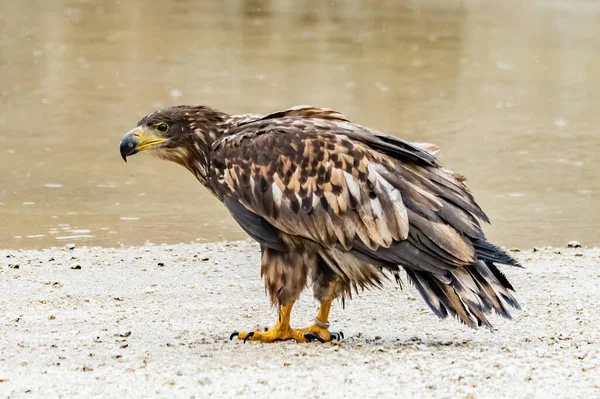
(311, 336)
(249, 335)
(335, 335)
(233, 334)
(341, 334)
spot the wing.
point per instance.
(313, 184)
(324, 118)
(311, 173)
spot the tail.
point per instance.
(472, 292)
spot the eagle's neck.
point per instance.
(207, 128)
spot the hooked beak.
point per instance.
(137, 140)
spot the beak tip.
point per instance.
(123, 154)
(128, 146)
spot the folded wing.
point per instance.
(310, 173)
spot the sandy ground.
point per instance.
(154, 321)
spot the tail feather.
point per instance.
(487, 251)
(422, 282)
(500, 276)
(489, 272)
(472, 293)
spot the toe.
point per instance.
(241, 335)
(248, 336)
(313, 336)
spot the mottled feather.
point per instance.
(344, 204)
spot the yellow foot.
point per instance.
(271, 335)
(320, 333)
(312, 333)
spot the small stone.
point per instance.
(51, 317)
(125, 334)
(204, 381)
(123, 346)
(70, 246)
(76, 267)
(515, 250)
(578, 254)
(161, 264)
(13, 266)
(574, 244)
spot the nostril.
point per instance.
(130, 144)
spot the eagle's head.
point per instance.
(182, 134)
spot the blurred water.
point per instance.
(510, 90)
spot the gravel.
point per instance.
(154, 321)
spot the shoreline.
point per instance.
(154, 320)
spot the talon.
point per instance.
(311, 336)
(233, 334)
(341, 334)
(249, 335)
(335, 335)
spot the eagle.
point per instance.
(339, 206)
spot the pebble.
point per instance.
(574, 244)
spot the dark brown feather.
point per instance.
(345, 203)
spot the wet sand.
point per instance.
(154, 321)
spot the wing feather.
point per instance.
(351, 197)
(310, 173)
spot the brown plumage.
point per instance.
(338, 204)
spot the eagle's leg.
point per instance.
(281, 331)
(320, 329)
(326, 286)
(285, 274)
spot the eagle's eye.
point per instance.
(162, 127)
